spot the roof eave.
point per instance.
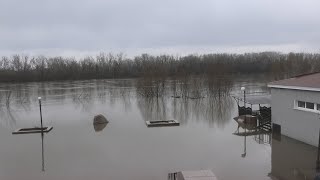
(294, 87)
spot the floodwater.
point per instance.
(126, 148)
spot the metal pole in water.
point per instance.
(245, 125)
(244, 96)
(318, 161)
(39, 98)
(42, 149)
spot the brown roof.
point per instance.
(304, 81)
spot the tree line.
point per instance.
(155, 67)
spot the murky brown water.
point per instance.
(126, 148)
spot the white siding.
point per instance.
(297, 124)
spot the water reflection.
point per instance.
(293, 160)
(153, 108)
(82, 93)
(99, 126)
(245, 147)
(190, 100)
(247, 127)
(198, 99)
(8, 117)
(42, 151)
(70, 106)
(263, 138)
(219, 108)
(83, 101)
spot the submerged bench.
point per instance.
(162, 123)
(32, 130)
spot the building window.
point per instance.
(301, 104)
(308, 106)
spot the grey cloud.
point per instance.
(83, 25)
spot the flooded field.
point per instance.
(126, 148)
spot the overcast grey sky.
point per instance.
(82, 27)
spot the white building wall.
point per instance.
(298, 124)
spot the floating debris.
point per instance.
(100, 119)
(99, 122)
(162, 123)
(99, 127)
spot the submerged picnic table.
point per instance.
(32, 130)
(162, 123)
(193, 175)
